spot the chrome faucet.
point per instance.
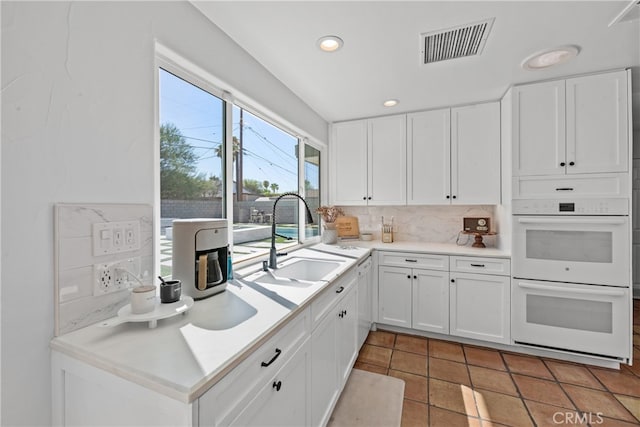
(273, 255)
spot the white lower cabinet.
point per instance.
(413, 291)
(480, 303)
(334, 346)
(430, 292)
(365, 300)
(462, 296)
(394, 296)
(284, 400)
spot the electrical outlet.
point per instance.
(115, 237)
(115, 276)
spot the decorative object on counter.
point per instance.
(366, 237)
(348, 227)
(229, 266)
(160, 311)
(170, 291)
(478, 227)
(387, 231)
(143, 299)
(329, 216)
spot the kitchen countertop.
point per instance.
(427, 247)
(187, 354)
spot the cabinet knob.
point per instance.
(369, 197)
(453, 197)
(562, 163)
(408, 276)
(364, 198)
(415, 277)
(572, 163)
(453, 280)
(448, 196)
(277, 385)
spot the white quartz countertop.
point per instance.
(427, 247)
(187, 354)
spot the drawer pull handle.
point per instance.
(564, 189)
(273, 359)
(477, 265)
(340, 289)
(277, 385)
(411, 260)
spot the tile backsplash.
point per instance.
(438, 224)
(75, 257)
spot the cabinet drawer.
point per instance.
(327, 299)
(414, 260)
(557, 187)
(498, 266)
(226, 399)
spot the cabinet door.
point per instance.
(597, 123)
(431, 300)
(475, 154)
(347, 333)
(349, 162)
(324, 370)
(365, 316)
(479, 307)
(394, 296)
(387, 161)
(428, 157)
(284, 401)
(539, 129)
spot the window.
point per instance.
(265, 166)
(265, 163)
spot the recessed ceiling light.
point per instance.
(330, 43)
(390, 103)
(550, 57)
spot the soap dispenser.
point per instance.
(229, 266)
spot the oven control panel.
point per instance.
(571, 207)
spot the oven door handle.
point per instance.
(611, 293)
(573, 220)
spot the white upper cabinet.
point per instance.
(349, 160)
(428, 157)
(597, 123)
(369, 162)
(387, 161)
(539, 129)
(573, 126)
(453, 155)
(475, 154)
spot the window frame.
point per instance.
(191, 73)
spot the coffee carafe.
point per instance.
(200, 247)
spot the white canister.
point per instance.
(143, 299)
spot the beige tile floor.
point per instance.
(449, 384)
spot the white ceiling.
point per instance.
(380, 57)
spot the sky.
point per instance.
(269, 153)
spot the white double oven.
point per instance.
(571, 264)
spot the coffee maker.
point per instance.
(200, 247)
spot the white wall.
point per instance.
(78, 127)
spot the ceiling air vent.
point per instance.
(457, 42)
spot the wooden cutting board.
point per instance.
(347, 227)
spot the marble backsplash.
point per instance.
(75, 303)
(440, 224)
